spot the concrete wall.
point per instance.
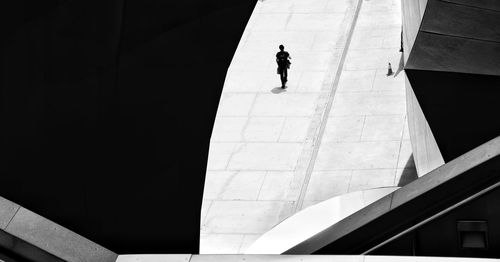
(426, 152)
(413, 13)
(453, 68)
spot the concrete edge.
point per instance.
(447, 172)
(8, 210)
(417, 188)
(290, 258)
(30, 235)
(154, 258)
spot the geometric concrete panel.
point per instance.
(453, 73)
(460, 108)
(435, 52)
(483, 4)
(387, 218)
(461, 21)
(312, 220)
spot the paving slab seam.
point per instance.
(326, 111)
(313, 131)
(14, 215)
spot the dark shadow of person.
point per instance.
(278, 90)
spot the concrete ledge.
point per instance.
(55, 239)
(24, 249)
(7, 211)
(290, 258)
(280, 258)
(34, 237)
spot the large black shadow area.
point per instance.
(106, 113)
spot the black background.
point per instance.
(106, 113)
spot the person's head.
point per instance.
(282, 47)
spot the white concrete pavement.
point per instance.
(365, 143)
(337, 128)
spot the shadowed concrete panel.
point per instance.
(459, 108)
(454, 54)
(464, 21)
(56, 239)
(452, 74)
(485, 4)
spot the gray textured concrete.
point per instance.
(7, 211)
(289, 258)
(56, 239)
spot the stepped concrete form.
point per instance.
(339, 127)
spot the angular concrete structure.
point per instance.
(421, 218)
(453, 69)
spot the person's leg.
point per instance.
(282, 78)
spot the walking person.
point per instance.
(282, 59)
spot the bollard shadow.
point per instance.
(401, 65)
(278, 90)
(409, 173)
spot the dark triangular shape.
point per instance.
(461, 109)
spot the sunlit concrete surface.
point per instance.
(290, 258)
(310, 221)
(366, 143)
(338, 127)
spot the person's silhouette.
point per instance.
(282, 59)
